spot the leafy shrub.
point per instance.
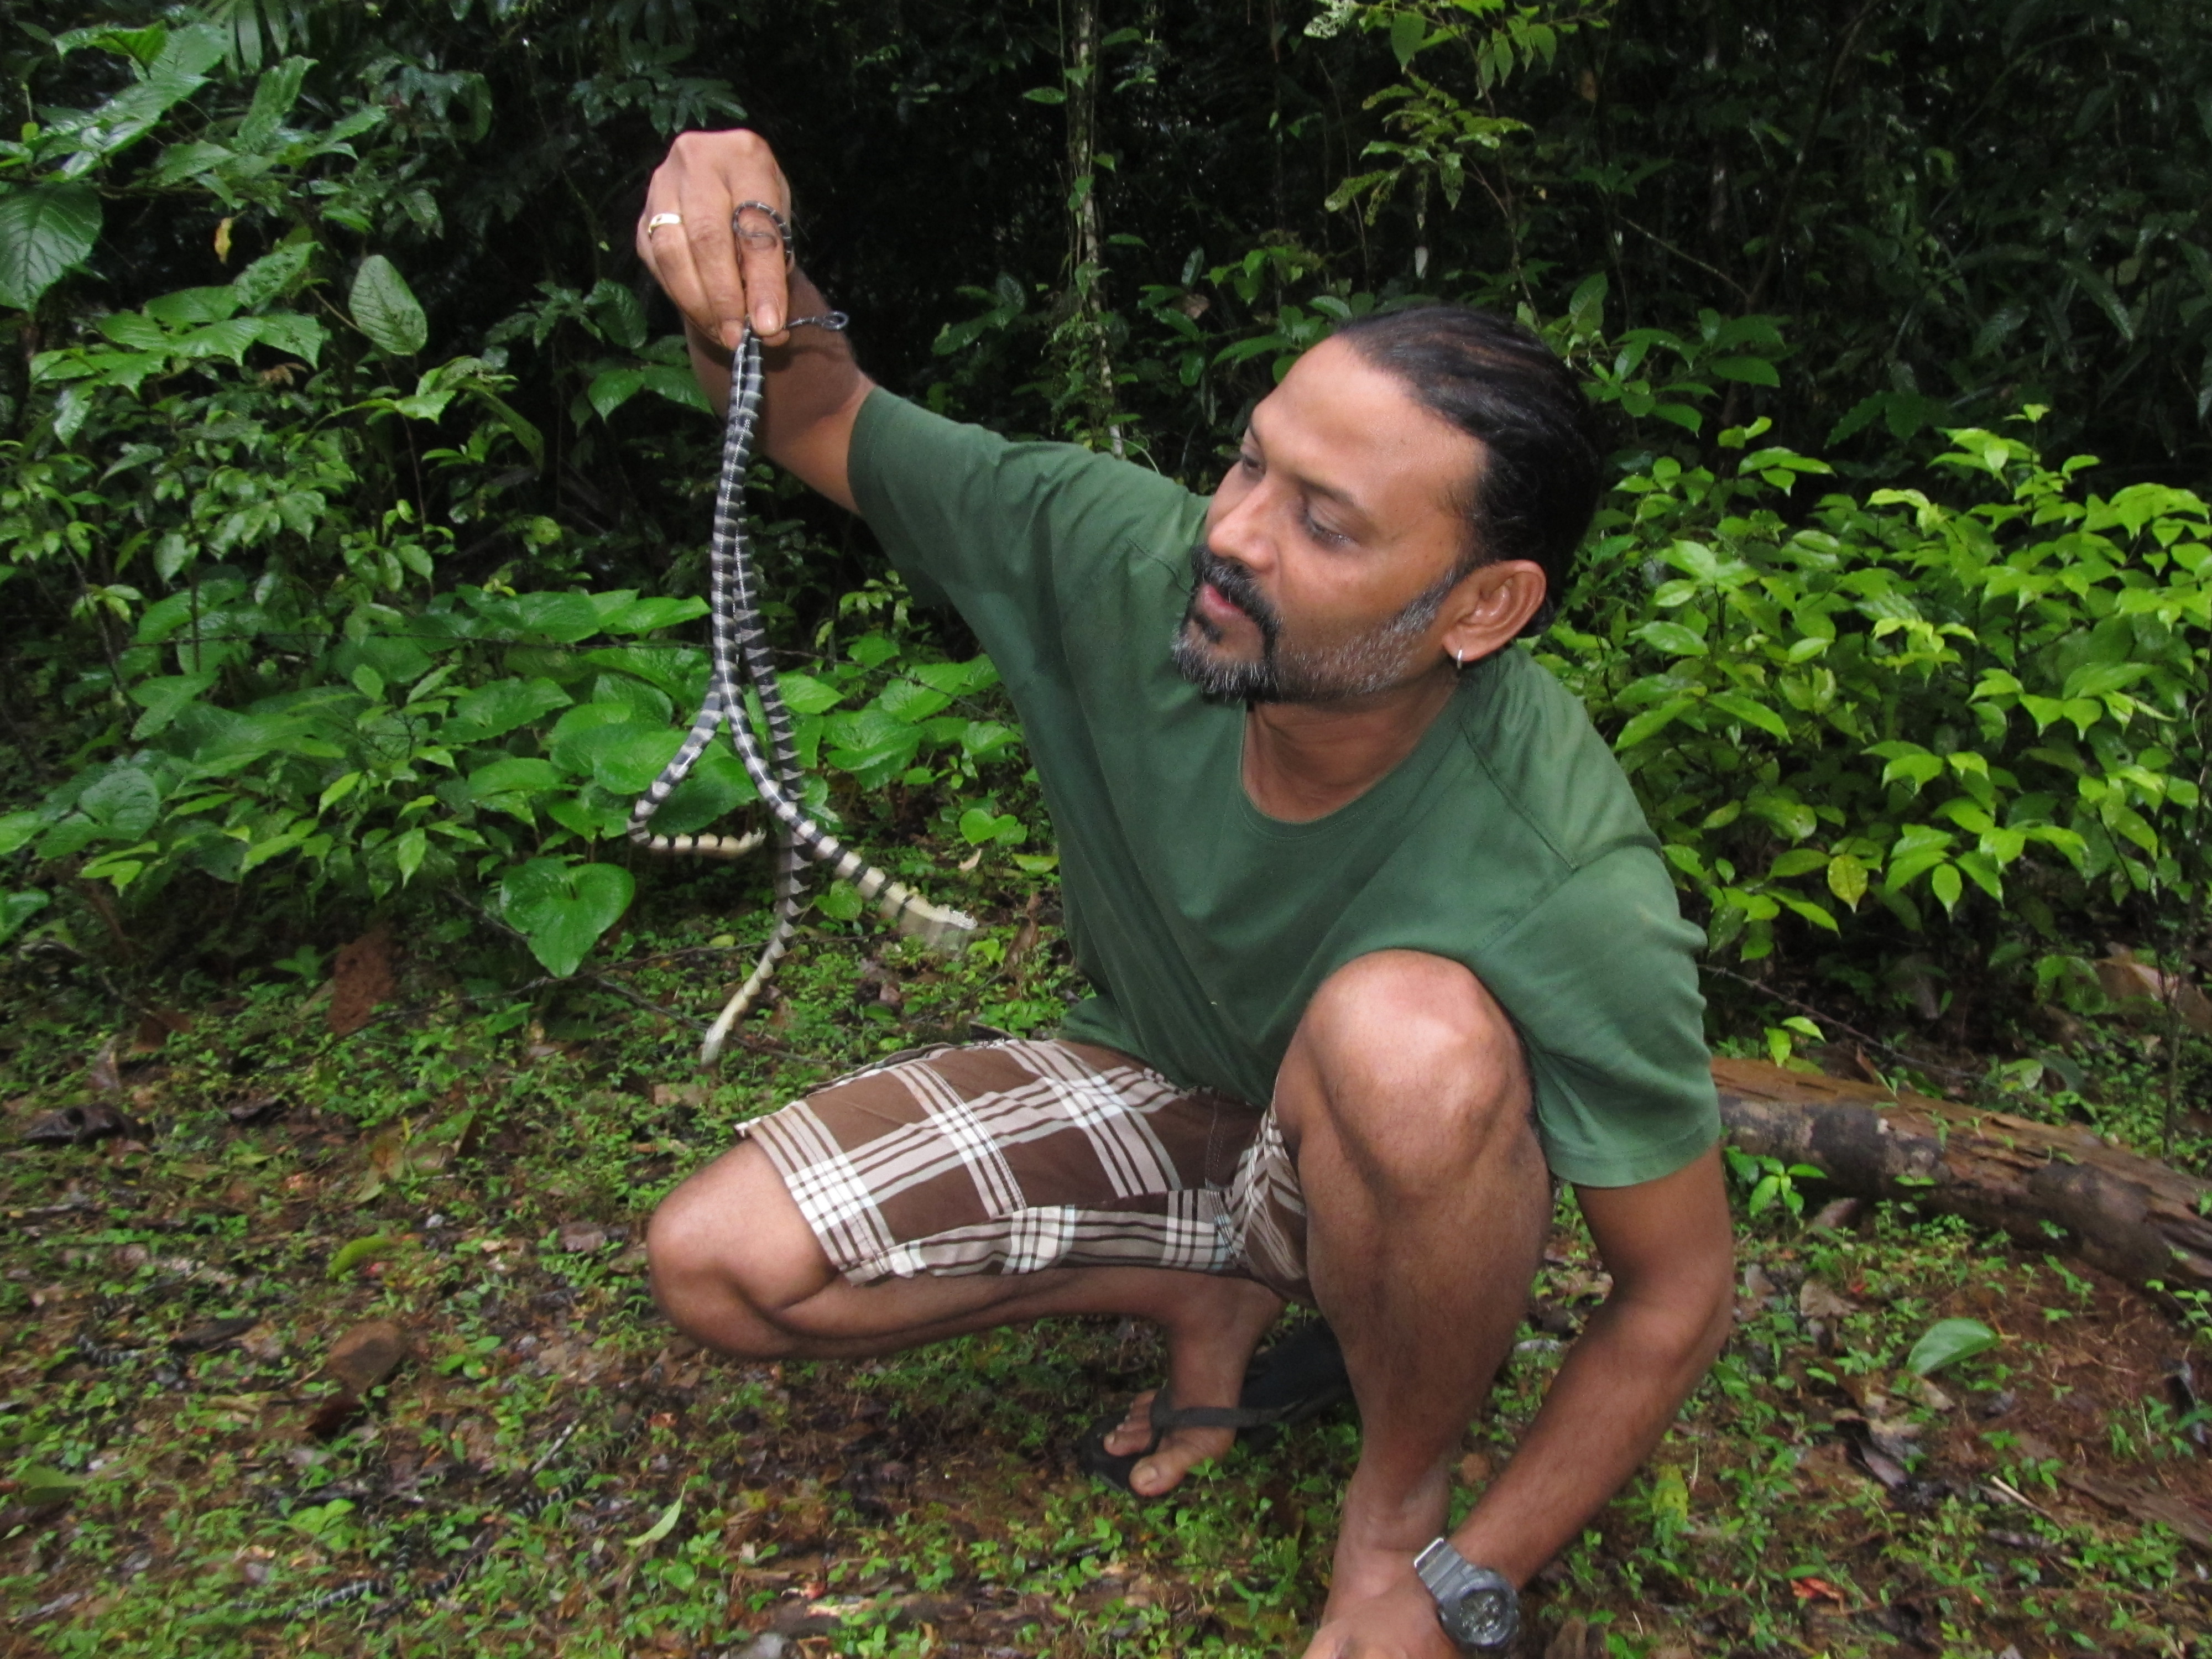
(1900, 699)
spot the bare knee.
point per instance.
(728, 1251)
(1409, 1063)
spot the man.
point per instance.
(1378, 932)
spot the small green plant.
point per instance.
(1768, 1180)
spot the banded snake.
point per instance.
(736, 641)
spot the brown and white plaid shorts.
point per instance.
(1011, 1158)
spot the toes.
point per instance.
(1135, 1432)
(1163, 1471)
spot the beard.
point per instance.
(1290, 670)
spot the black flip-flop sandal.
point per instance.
(1298, 1378)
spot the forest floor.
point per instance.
(342, 1345)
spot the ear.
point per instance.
(1490, 607)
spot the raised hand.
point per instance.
(720, 277)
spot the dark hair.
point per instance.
(1496, 381)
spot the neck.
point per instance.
(1303, 760)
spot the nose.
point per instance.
(1236, 527)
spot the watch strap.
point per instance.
(1453, 1581)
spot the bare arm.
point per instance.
(719, 283)
(1670, 1248)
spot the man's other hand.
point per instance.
(718, 280)
(1400, 1624)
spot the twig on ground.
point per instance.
(2018, 1498)
(554, 1451)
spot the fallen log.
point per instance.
(2133, 1217)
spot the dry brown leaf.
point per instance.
(578, 1236)
(103, 1074)
(1835, 1215)
(2143, 989)
(366, 1354)
(1817, 1301)
(362, 979)
(73, 1126)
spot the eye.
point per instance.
(1321, 533)
(1247, 461)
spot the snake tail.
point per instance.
(704, 846)
(736, 641)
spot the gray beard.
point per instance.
(1286, 672)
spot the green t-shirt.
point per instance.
(1508, 839)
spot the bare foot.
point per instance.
(1210, 1342)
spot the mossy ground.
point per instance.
(479, 1170)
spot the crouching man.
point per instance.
(1380, 942)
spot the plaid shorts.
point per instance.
(1011, 1158)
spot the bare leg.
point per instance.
(1405, 1100)
(736, 1266)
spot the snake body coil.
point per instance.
(736, 640)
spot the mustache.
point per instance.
(1236, 584)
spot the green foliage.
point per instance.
(1768, 1182)
(325, 574)
(1900, 699)
(1947, 1342)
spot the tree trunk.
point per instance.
(2053, 1185)
(1088, 234)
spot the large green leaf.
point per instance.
(16, 908)
(644, 616)
(165, 698)
(579, 735)
(274, 273)
(563, 618)
(288, 331)
(274, 94)
(806, 695)
(386, 309)
(523, 773)
(910, 701)
(1672, 638)
(44, 230)
(717, 786)
(119, 805)
(190, 308)
(1948, 1341)
(563, 908)
(494, 710)
(625, 759)
(19, 830)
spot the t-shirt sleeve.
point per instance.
(1603, 985)
(1002, 529)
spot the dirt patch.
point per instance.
(361, 980)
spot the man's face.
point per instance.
(1333, 544)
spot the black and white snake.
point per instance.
(735, 639)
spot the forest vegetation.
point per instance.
(354, 499)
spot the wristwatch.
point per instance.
(1477, 1608)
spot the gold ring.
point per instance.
(659, 219)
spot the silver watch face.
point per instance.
(1481, 1619)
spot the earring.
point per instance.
(1459, 658)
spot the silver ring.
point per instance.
(659, 219)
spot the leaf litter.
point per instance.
(188, 1388)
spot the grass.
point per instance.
(585, 1482)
